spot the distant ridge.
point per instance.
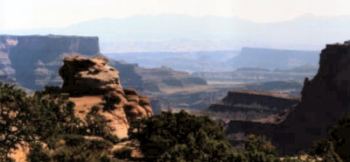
(186, 33)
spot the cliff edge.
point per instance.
(325, 99)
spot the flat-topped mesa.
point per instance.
(89, 76)
(34, 60)
(52, 44)
(250, 101)
(268, 99)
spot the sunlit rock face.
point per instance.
(92, 83)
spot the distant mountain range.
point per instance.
(186, 33)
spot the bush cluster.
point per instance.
(183, 137)
(46, 117)
(46, 121)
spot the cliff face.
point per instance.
(129, 75)
(36, 59)
(7, 73)
(325, 99)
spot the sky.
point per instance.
(27, 14)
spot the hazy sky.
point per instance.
(18, 14)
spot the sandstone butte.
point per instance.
(88, 80)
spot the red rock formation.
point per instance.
(91, 82)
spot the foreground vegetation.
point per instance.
(46, 121)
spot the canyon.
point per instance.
(33, 62)
(292, 123)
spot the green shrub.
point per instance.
(325, 149)
(110, 101)
(259, 149)
(15, 118)
(182, 137)
(97, 126)
(37, 154)
(339, 136)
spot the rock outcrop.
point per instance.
(84, 76)
(92, 83)
(325, 99)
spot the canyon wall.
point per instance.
(35, 59)
(325, 99)
(130, 77)
(33, 62)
